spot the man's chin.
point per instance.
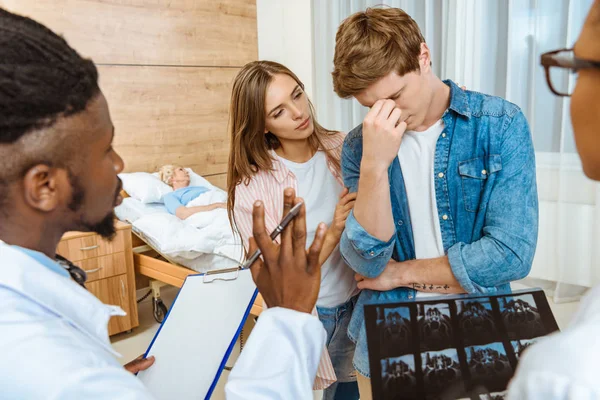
(105, 228)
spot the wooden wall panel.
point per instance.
(169, 116)
(151, 32)
(166, 68)
(219, 180)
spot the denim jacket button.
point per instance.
(441, 174)
(444, 217)
(444, 134)
(400, 222)
(484, 172)
(372, 253)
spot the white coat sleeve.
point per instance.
(563, 366)
(280, 359)
(548, 386)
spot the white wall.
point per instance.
(285, 35)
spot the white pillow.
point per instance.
(144, 187)
(197, 180)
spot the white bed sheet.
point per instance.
(201, 247)
(206, 262)
(132, 209)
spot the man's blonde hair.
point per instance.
(165, 173)
(370, 44)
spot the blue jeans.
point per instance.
(341, 350)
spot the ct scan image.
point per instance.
(519, 346)
(489, 363)
(441, 369)
(476, 321)
(395, 331)
(521, 317)
(435, 326)
(398, 376)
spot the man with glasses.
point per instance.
(565, 365)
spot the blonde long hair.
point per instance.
(249, 151)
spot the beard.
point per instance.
(106, 226)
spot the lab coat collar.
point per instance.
(58, 294)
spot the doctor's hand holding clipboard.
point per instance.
(289, 276)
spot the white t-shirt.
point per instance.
(416, 156)
(321, 192)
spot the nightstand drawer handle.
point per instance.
(91, 271)
(122, 289)
(89, 248)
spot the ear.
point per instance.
(425, 58)
(45, 187)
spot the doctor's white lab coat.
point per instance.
(54, 343)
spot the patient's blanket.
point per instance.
(207, 232)
(217, 217)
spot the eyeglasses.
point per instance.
(560, 66)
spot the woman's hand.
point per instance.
(342, 210)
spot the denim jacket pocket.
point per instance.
(474, 173)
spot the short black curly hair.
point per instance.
(41, 77)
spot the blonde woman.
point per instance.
(275, 144)
(179, 179)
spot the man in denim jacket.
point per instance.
(462, 217)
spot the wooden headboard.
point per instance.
(166, 68)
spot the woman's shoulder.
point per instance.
(333, 140)
(252, 182)
(258, 184)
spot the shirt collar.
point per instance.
(44, 260)
(459, 102)
(278, 169)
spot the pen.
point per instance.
(284, 222)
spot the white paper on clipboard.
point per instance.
(198, 334)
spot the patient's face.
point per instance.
(585, 102)
(181, 178)
(288, 115)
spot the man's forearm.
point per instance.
(429, 275)
(373, 207)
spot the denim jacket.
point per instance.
(486, 193)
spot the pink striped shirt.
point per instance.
(268, 187)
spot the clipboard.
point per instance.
(198, 334)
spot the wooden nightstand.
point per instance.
(109, 267)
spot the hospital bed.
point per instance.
(164, 269)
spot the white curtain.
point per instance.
(494, 46)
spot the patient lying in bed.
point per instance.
(179, 179)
